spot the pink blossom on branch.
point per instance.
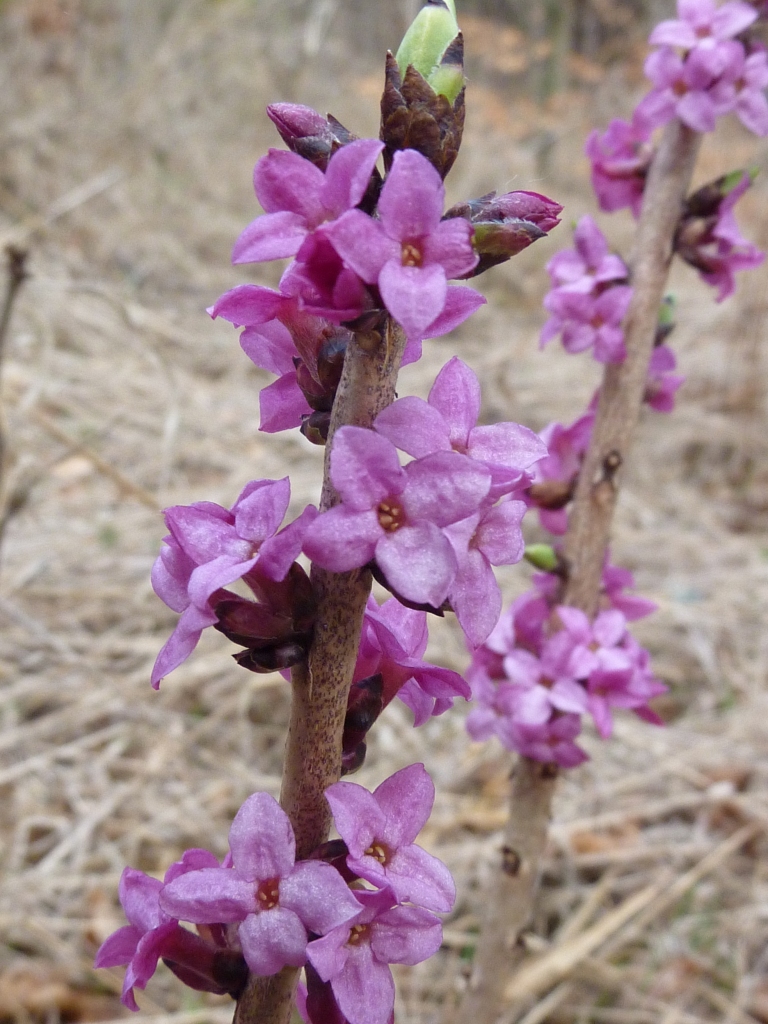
(355, 957)
(392, 644)
(209, 547)
(620, 159)
(273, 900)
(702, 25)
(589, 264)
(379, 829)
(151, 934)
(396, 516)
(588, 321)
(409, 253)
(298, 197)
(710, 240)
(447, 421)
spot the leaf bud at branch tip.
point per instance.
(427, 47)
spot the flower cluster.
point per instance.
(701, 70)
(434, 528)
(349, 912)
(589, 297)
(545, 665)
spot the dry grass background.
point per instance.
(128, 130)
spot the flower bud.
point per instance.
(542, 556)
(505, 225)
(527, 206)
(666, 322)
(705, 202)
(308, 133)
(422, 107)
(427, 43)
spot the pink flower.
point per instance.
(589, 265)
(210, 547)
(662, 383)
(151, 933)
(488, 538)
(701, 24)
(588, 321)
(683, 88)
(396, 516)
(550, 743)
(715, 246)
(393, 641)
(615, 581)
(355, 957)
(447, 421)
(742, 90)
(556, 474)
(274, 899)
(379, 829)
(298, 197)
(282, 338)
(409, 252)
(620, 158)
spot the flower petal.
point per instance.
(273, 939)
(319, 896)
(209, 896)
(365, 468)
(418, 562)
(414, 426)
(415, 296)
(261, 839)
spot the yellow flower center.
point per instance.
(390, 516)
(411, 256)
(268, 894)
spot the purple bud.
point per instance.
(308, 133)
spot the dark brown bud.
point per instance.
(414, 116)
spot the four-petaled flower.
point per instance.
(275, 900)
(379, 829)
(394, 515)
(298, 197)
(210, 547)
(409, 252)
(355, 957)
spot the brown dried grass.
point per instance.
(124, 164)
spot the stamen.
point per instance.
(411, 256)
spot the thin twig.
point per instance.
(510, 897)
(16, 275)
(321, 685)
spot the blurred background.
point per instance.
(128, 133)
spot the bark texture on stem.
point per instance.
(510, 896)
(509, 899)
(621, 394)
(16, 275)
(321, 685)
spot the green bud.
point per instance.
(425, 44)
(667, 311)
(729, 181)
(542, 556)
(447, 80)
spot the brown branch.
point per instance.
(321, 686)
(510, 897)
(621, 394)
(16, 275)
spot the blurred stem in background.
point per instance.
(15, 276)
